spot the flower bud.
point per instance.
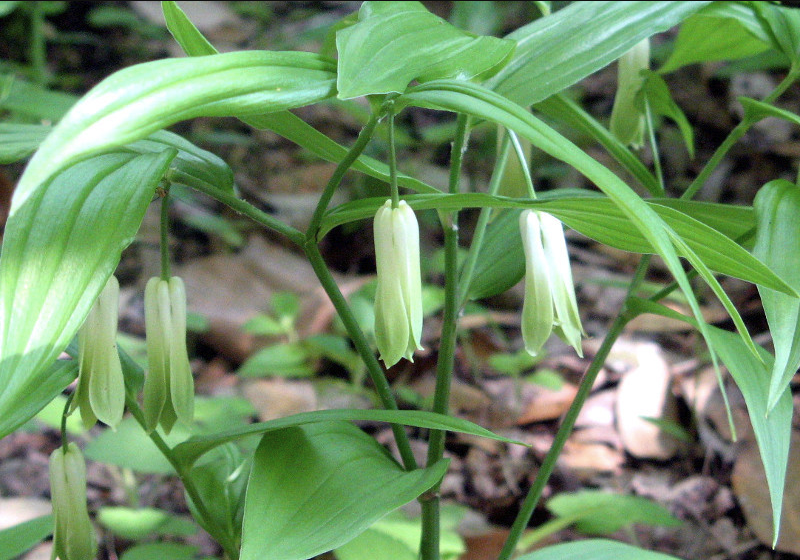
(398, 298)
(73, 535)
(549, 291)
(100, 394)
(627, 118)
(169, 386)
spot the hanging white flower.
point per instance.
(549, 301)
(169, 386)
(73, 534)
(100, 393)
(398, 298)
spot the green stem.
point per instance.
(362, 347)
(480, 227)
(333, 183)
(165, 270)
(64, 439)
(564, 431)
(393, 165)
(429, 542)
(651, 134)
(735, 135)
(247, 209)
(222, 537)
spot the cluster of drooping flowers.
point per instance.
(549, 303)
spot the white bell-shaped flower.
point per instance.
(73, 534)
(100, 393)
(169, 386)
(549, 290)
(398, 298)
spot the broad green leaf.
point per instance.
(315, 487)
(567, 111)
(162, 551)
(602, 513)
(394, 43)
(33, 101)
(501, 262)
(595, 549)
(18, 141)
(659, 98)
(601, 219)
(283, 360)
(482, 103)
(18, 539)
(189, 451)
(185, 32)
(720, 31)
(286, 124)
(59, 249)
(782, 26)
(137, 101)
(771, 427)
(557, 51)
(777, 207)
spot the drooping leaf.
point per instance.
(184, 31)
(659, 98)
(16, 540)
(59, 248)
(315, 487)
(189, 451)
(597, 33)
(777, 206)
(137, 101)
(782, 26)
(720, 31)
(18, 140)
(394, 43)
(595, 549)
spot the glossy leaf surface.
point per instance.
(315, 487)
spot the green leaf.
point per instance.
(59, 249)
(288, 125)
(755, 110)
(20, 538)
(139, 452)
(135, 524)
(720, 31)
(6, 7)
(570, 113)
(782, 26)
(189, 451)
(602, 513)
(185, 32)
(315, 487)
(394, 43)
(658, 96)
(595, 549)
(777, 206)
(556, 51)
(162, 551)
(501, 263)
(137, 101)
(601, 219)
(18, 141)
(283, 360)
(772, 428)
(33, 101)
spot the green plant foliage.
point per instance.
(135, 524)
(295, 509)
(544, 63)
(59, 249)
(394, 43)
(595, 549)
(162, 551)
(20, 538)
(139, 453)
